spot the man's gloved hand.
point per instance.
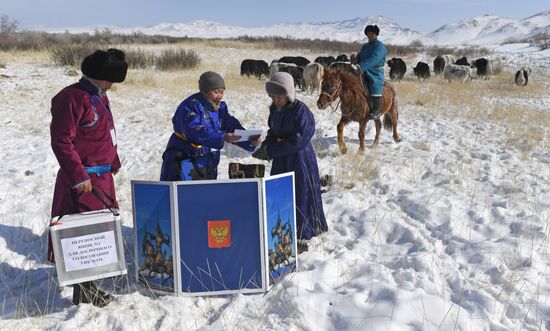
(261, 154)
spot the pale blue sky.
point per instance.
(419, 15)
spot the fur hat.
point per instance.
(210, 80)
(372, 28)
(105, 65)
(281, 84)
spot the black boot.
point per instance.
(87, 292)
(374, 113)
(302, 246)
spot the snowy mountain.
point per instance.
(489, 29)
(478, 30)
(347, 30)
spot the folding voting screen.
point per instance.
(214, 237)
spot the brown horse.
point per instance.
(346, 86)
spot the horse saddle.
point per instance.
(363, 79)
(239, 170)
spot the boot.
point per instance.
(302, 246)
(374, 113)
(87, 292)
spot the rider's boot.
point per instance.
(374, 113)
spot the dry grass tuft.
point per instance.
(496, 100)
(141, 79)
(352, 168)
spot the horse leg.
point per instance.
(362, 128)
(378, 125)
(341, 142)
(394, 117)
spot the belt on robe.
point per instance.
(98, 170)
(184, 138)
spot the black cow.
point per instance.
(297, 74)
(422, 70)
(439, 65)
(397, 68)
(342, 58)
(254, 68)
(484, 67)
(300, 61)
(463, 61)
(325, 61)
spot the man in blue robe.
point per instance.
(371, 59)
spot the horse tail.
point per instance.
(388, 124)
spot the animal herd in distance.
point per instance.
(308, 75)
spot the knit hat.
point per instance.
(372, 28)
(281, 84)
(105, 65)
(210, 80)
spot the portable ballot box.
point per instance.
(88, 246)
(214, 237)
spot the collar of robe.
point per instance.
(285, 107)
(212, 106)
(96, 89)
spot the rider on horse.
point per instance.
(371, 59)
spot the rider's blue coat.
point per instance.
(371, 59)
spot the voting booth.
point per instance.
(88, 246)
(214, 237)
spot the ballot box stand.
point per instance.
(88, 246)
(214, 237)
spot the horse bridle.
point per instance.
(333, 95)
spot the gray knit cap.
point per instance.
(210, 80)
(281, 83)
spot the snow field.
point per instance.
(447, 230)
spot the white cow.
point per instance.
(457, 72)
(275, 66)
(449, 59)
(313, 75)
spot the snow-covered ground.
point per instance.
(447, 230)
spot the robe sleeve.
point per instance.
(66, 114)
(116, 164)
(305, 124)
(230, 124)
(190, 122)
(270, 137)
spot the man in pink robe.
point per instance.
(83, 139)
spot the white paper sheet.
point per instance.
(246, 134)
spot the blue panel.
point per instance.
(154, 235)
(217, 269)
(281, 239)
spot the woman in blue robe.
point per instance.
(202, 124)
(288, 145)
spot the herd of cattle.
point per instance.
(308, 76)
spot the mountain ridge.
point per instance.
(477, 30)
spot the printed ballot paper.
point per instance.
(246, 134)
